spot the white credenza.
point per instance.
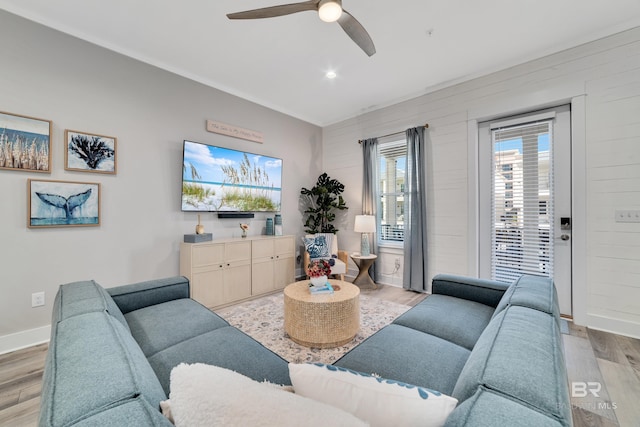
(226, 271)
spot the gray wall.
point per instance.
(50, 75)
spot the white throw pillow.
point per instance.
(376, 400)
(206, 395)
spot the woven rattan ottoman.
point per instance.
(322, 321)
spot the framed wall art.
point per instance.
(87, 152)
(25, 143)
(62, 204)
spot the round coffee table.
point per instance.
(322, 321)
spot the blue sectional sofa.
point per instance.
(111, 352)
(494, 347)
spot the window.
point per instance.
(392, 165)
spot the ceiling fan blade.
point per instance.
(273, 11)
(356, 31)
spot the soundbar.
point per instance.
(235, 215)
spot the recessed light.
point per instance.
(331, 75)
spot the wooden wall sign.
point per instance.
(234, 131)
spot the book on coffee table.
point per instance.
(322, 289)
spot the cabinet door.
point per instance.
(283, 271)
(284, 261)
(262, 275)
(237, 270)
(284, 246)
(261, 249)
(262, 252)
(237, 282)
(203, 255)
(207, 286)
(237, 251)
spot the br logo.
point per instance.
(582, 389)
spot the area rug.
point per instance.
(263, 320)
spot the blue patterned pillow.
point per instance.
(378, 401)
(317, 247)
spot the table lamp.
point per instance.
(365, 224)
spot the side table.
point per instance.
(363, 263)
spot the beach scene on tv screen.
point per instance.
(221, 179)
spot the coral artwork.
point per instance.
(90, 153)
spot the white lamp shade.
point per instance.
(329, 10)
(365, 224)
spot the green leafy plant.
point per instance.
(324, 199)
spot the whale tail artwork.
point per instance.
(68, 204)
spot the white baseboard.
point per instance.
(24, 339)
(614, 326)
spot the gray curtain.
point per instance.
(369, 184)
(415, 234)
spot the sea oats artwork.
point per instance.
(25, 143)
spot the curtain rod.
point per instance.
(426, 126)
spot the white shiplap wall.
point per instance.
(602, 78)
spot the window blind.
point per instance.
(522, 202)
(392, 161)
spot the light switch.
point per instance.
(627, 216)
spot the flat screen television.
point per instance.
(218, 179)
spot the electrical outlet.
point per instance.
(37, 299)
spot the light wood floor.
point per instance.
(613, 361)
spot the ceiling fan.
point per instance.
(328, 11)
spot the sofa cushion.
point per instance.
(484, 291)
(151, 292)
(226, 347)
(520, 356)
(87, 296)
(404, 354)
(122, 415)
(204, 395)
(380, 402)
(435, 316)
(161, 326)
(94, 363)
(488, 408)
(534, 292)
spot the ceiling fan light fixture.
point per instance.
(329, 10)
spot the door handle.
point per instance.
(565, 237)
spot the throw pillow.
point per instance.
(378, 401)
(206, 395)
(332, 243)
(317, 247)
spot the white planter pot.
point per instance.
(318, 281)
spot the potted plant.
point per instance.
(319, 271)
(324, 200)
